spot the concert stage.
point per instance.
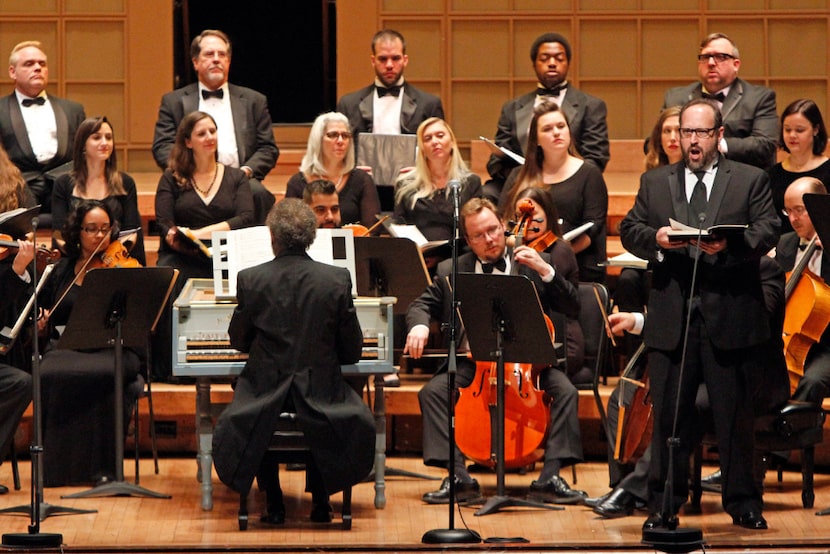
(179, 525)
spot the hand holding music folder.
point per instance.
(681, 231)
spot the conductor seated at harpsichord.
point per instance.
(296, 319)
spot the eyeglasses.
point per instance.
(701, 133)
(797, 211)
(94, 229)
(719, 57)
(493, 231)
(334, 135)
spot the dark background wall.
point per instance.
(282, 48)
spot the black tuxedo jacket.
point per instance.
(251, 122)
(750, 120)
(297, 321)
(729, 284)
(586, 117)
(68, 116)
(558, 296)
(788, 247)
(417, 107)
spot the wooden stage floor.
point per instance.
(132, 524)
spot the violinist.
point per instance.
(16, 287)
(543, 235)
(321, 196)
(484, 233)
(78, 403)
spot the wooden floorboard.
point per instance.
(131, 524)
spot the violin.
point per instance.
(359, 230)
(806, 316)
(526, 407)
(43, 255)
(543, 241)
(116, 255)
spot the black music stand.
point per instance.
(389, 266)
(504, 322)
(118, 307)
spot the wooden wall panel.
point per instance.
(95, 51)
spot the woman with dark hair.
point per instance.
(577, 188)
(77, 386)
(95, 176)
(803, 137)
(199, 195)
(544, 234)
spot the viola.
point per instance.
(807, 314)
(543, 241)
(43, 255)
(526, 407)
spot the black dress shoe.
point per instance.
(654, 521)
(464, 492)
(555, 491)
(275, 513)
(4, 489)
(594, 502)
(712, 482)
(320, 512)
(619, 504)
(750, 520)
(274, 518)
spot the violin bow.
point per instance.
(604, 317)
(375, 226)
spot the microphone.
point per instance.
(34, 223)
(454, 185)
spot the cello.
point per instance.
(526, 407)
(807, 314)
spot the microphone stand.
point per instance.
(38, 509)
(670, 538)
(451, 534)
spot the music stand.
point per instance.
(504, 322)
(389, 266)
(118, 307)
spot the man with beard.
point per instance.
(390, 105)
(321, 196)
(725, 310)
(551, 57)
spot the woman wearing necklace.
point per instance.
(199, 194)
(330, 156)
(95, 176)
(421, 195)
(803, 137)
(578, 189)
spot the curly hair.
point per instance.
(293, 226)
(72, 229)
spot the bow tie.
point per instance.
(218, 93)
(542, 91)
(39, 100)
(803, 246)
(393, 90)
(499, 264)
(720, 97)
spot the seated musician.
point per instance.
(16, 284)
(296, 318)
(77, 386)
(815, 383)
(321, 196)
(484, 233)
(629, 481)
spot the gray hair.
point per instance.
(312, 163)
(293, 226)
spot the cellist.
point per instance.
(485, 234)
(815, 382)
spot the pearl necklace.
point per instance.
(205, 192)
